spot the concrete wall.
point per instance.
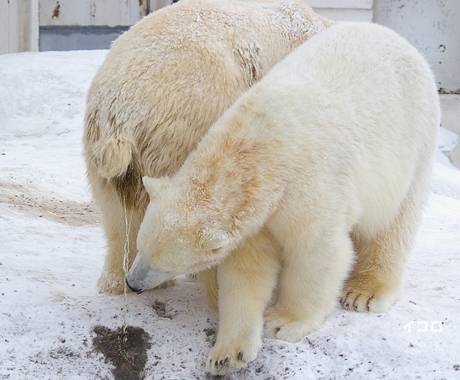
(18, 26)
(63, 38)
(344, 10)
(91, 12)
(32, 25)
(88, 24)
(433, 27)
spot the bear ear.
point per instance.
(216, 240)
(155, 185)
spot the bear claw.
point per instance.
(367, 301)
(231, 357)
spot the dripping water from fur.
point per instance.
(126, 267)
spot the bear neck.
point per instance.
(234, 176)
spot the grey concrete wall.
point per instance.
(89, 24)
(18, 26)
(78, 37)
(343, 10)
(433, 27)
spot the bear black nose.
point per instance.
(138, 291)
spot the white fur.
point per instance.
(330, 153)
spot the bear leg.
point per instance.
(375, 284)
(208, 278)
(312, 276)
(114, 218)
(246, 281)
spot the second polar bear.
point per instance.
(331, 152)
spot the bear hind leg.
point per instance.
(375, 284)
(372, 286)
(119, 234)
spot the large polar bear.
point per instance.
(331, 152)
(162, 85)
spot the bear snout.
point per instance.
(142, 276)
(133, 289)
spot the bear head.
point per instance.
(178, 235)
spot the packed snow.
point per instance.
(52, 250)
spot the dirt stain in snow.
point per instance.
(126, 350)
(44, 206)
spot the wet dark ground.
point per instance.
(126, 350)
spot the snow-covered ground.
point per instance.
(52, 249)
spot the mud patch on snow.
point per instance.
(211, 335)
(162, 309)
(64, 353)
(48, 207)
(127, 351)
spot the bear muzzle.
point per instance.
(142, 276)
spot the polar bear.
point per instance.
(162, 85)
(331, 153)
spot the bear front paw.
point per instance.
(231, 356)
